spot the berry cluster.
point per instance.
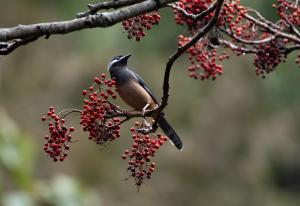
(139, 156)
(57, 143)
(203, 59)
(95, 110)
(135, 26)
(268, 57)
(232, 20)
(288, 10)
(192, 7)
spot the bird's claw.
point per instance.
(145, 129)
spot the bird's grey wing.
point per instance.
(140, 80)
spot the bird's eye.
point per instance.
(116, 58)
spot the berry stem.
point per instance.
(68, 111)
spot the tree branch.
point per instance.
(183, 48)
(245, 41)
(105, 19)
(290, 49)
(115, 4)
(235, 47)
(269, 28)
(8, 47)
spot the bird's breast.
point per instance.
(135, 95)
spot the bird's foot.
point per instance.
(145, 129)
(144, 110)
(146, 124)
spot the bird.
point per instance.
(135, 93)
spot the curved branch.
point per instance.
(182, 49)
(204, 30)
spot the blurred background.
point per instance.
(241, 132)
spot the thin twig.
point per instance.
(272, 30)
(290, 49)
(119, 123)
(115, 4)
(235, 47)
(263, 18)
(193, 16)
(292, 27)
(132, 113)
(68, 111)
(245, 41)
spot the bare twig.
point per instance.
(118, 124)
(193, 16)
(131, 113)
(245, 41)
(235, 47)
(115, 4)
(270, 29)
(8, 47)
(260, 16)
(292, 27)
(66, 112)
(290, 49)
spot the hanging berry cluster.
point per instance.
(135, 26)
(139, 156)
(203, 61)
(95, 109)
(267, 57)
(59, 137)
(203, 56)
(94, 119)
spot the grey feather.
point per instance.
(144, 85)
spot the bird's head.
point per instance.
(118, 62)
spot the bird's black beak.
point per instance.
(126, 57)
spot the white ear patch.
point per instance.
(110, 64)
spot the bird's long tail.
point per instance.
(170, 132)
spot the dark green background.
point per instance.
(240, 132)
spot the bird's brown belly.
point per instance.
(135, 95)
